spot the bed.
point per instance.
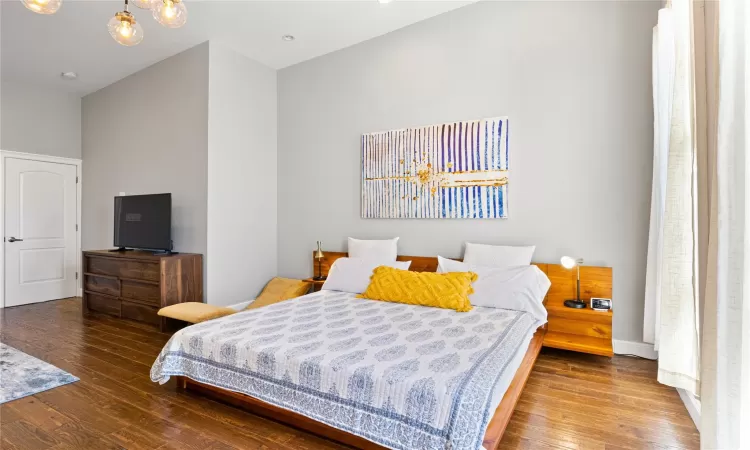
(366, 373)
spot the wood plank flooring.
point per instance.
(571, 400)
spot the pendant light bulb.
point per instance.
(42, 6)
(170, 13)
(124, 29)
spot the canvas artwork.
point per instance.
(448, 171)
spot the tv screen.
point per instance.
(144, 221)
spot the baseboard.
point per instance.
(641, 349)
(80, 292)
(693, 406)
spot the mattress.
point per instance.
(402, 376)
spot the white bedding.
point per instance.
(520, 288)
(403, 376)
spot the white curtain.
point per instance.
(671, 313)
(725, 393)
(663, 54)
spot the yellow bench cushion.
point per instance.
(439, 290)
(195, 312)
(278, 290)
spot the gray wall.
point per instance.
(42, 121)
(145, 134)
(241, 177)
(574, 80)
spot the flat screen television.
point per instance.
(144, 222)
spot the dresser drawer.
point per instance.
(579, 327)
(124, 268)
(141, 292)
(103, 303)
(102, 284)
(139, 312)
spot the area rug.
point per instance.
(22, 375)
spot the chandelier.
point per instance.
(123, 27)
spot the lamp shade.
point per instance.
(170, 13)
(42, 6)
(569, 262)
(125, 30)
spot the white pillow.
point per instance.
(382, 250)
(353, 274)
(520, 288)
(497, 255)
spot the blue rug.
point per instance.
(22, 375)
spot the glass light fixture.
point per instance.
(42, 6)
(124, 29)
(170, 13)
(144, 4)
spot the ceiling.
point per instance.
(35, 48)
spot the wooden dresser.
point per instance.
(136, 284)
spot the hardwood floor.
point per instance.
(571, 400)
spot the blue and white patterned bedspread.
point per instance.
(403, 376)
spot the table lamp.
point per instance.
(569, 262)
(319, 256)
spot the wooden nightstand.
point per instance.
(316, 284)
(580, 330)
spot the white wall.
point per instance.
(574, 80)
(145, 134)
(42, 121)
(241, 245)
(201, 125)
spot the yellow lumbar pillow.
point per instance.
(441, 290)
(278, 290)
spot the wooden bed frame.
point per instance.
(495, 428)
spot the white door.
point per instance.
(40, 231)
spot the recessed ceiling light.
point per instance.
(287, 38)
(384, 1)
(69, 75)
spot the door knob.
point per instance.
(12, 239)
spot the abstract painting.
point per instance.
(450, 171)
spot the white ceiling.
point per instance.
(36, 48)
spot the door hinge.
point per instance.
(76, 275)
(76, 180)
(76, 227)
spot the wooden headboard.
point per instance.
(595, 281)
